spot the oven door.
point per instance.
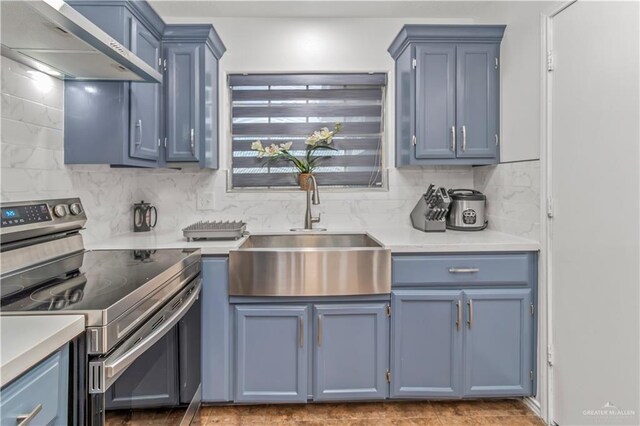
(151, 369)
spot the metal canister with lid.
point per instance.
(467, 210)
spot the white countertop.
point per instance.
(27, 340)
(398, 240)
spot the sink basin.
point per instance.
(309, 265)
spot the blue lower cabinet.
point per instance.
(271, 353)
(43, 390)
(498, 342)
(350, 352)
(216, 330)
(426, 349)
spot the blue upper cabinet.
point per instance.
(147, 124)
(477, 108)
(447, 94)
(117, 123)
(191, 53)
(145, 101)
(436, 109)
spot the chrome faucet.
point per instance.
(309, 220)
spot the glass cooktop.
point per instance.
(92, 280)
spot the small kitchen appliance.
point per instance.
(467, 212)
(430, 212)
(145, 217)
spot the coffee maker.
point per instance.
(145, 217)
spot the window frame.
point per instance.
(384, 170)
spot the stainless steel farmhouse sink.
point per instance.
(309, 265)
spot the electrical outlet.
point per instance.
(204, 201)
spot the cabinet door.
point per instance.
(46, 386)
(151, 381)
(182, 98)
(426, 343)
(498, 343)
(477, 92)
(271, 353)
(435, 100)
(351, 352)
(145, 98)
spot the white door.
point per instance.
(594, 234)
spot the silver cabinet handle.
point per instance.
(25, 419)
(470, 305)
(459, 315)
(463, 270)
(319, 330)
(453, 138)
(413, 140)
(301, 332)
(464, 138)
(192, 137)
(139, 126)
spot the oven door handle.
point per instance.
(113, 368)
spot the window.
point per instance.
(280, 108)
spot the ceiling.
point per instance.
(203, 9)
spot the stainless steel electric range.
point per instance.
(133, 300)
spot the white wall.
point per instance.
(520, 74)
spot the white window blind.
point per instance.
(278, 108)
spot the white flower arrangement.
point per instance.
(318, 140)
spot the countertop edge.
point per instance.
(30, 356)
(402, 240)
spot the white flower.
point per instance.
(272, 150)
(257, 145)
(313, 139)
(286, 146)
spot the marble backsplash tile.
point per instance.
(513, 196)
(32, 166)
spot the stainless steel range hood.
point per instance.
(51, 36)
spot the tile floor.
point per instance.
(508, 412)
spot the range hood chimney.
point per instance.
(52, 37)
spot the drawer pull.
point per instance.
(463, 270)
(25, 419)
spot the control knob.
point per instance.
(75, 209)
(60, 210)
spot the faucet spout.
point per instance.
(309, 220)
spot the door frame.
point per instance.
(545, 285)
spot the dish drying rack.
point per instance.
(215, 230)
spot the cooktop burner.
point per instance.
(91, 280)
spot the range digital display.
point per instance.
(22, 215)
(10, 214)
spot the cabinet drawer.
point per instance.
(45, 386)
(514, 269)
